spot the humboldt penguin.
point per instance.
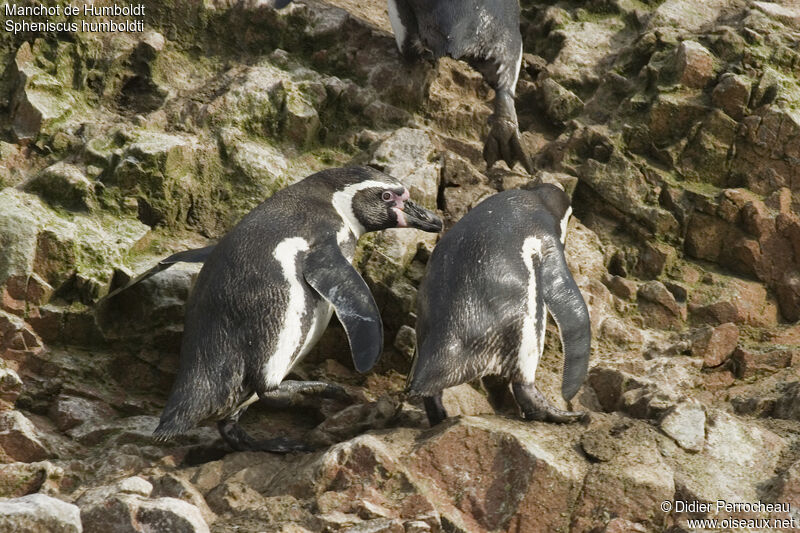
(482, 306)
(267, 291)
(484, 34)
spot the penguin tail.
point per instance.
(566, 304)
(179, 416)
(194, 255)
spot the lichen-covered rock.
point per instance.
(40, 103)
(37, 512)
(694, 64)
(64, 185)
(20, 479)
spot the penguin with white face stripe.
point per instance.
(482, 306)
(484, 34)
(266, 294)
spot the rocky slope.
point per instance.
(673, 123)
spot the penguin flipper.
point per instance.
(335, 279)
(566, 304)
(194, 255)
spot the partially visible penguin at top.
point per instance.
(486, 35)
(267, 291)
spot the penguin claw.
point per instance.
(504, 143)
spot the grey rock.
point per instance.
(686, 424)
(37, 513)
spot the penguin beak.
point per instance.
(410, 215)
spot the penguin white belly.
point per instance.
(397, 25)
(290, 336)
(532, 338)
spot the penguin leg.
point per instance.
(503, 141)
(295, 393)
(496, 388)
(536, 407)
(434, 408)
(238, 439)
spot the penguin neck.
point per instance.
(343, 204)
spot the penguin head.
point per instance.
(379, 201)
(388, 205)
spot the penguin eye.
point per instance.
(387, 196)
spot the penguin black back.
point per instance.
(481, 306)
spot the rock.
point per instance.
(788, 14)
(20, 479)
(788, 293)
(658, 306)
(654, 258)
(173, 486)
(715, 344)
(410, 156)
(64, 185)
(40, 103)
(463, 400)
(620, 287)
(686, 425)
(581, 61)
(730, 462)
(124, 507)
(694, 64)
(170, 176)
(464, 462)
(156, 304)
(747, 363)
(559, 104)
(732, 95)
(70, 411)
(620, 332)
(19, 439)
(10, 386)
(36, 513)
(631, 484)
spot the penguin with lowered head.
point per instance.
(482, 306)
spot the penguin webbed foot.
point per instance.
(238, 439)
(536, 407)
(504, 143)
(304, 394)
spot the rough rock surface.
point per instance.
(672, 124)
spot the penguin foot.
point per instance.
(238, 439)
(504, 143)
(536, 407)
(303, 393)
(434, 408)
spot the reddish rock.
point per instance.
(705, 236)
(486, 474)
(694, 64)
(788, 294)
(747, 363)
(620, 287)
(19, 439)
(659, 307)
(715, 344)
(732, 94)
